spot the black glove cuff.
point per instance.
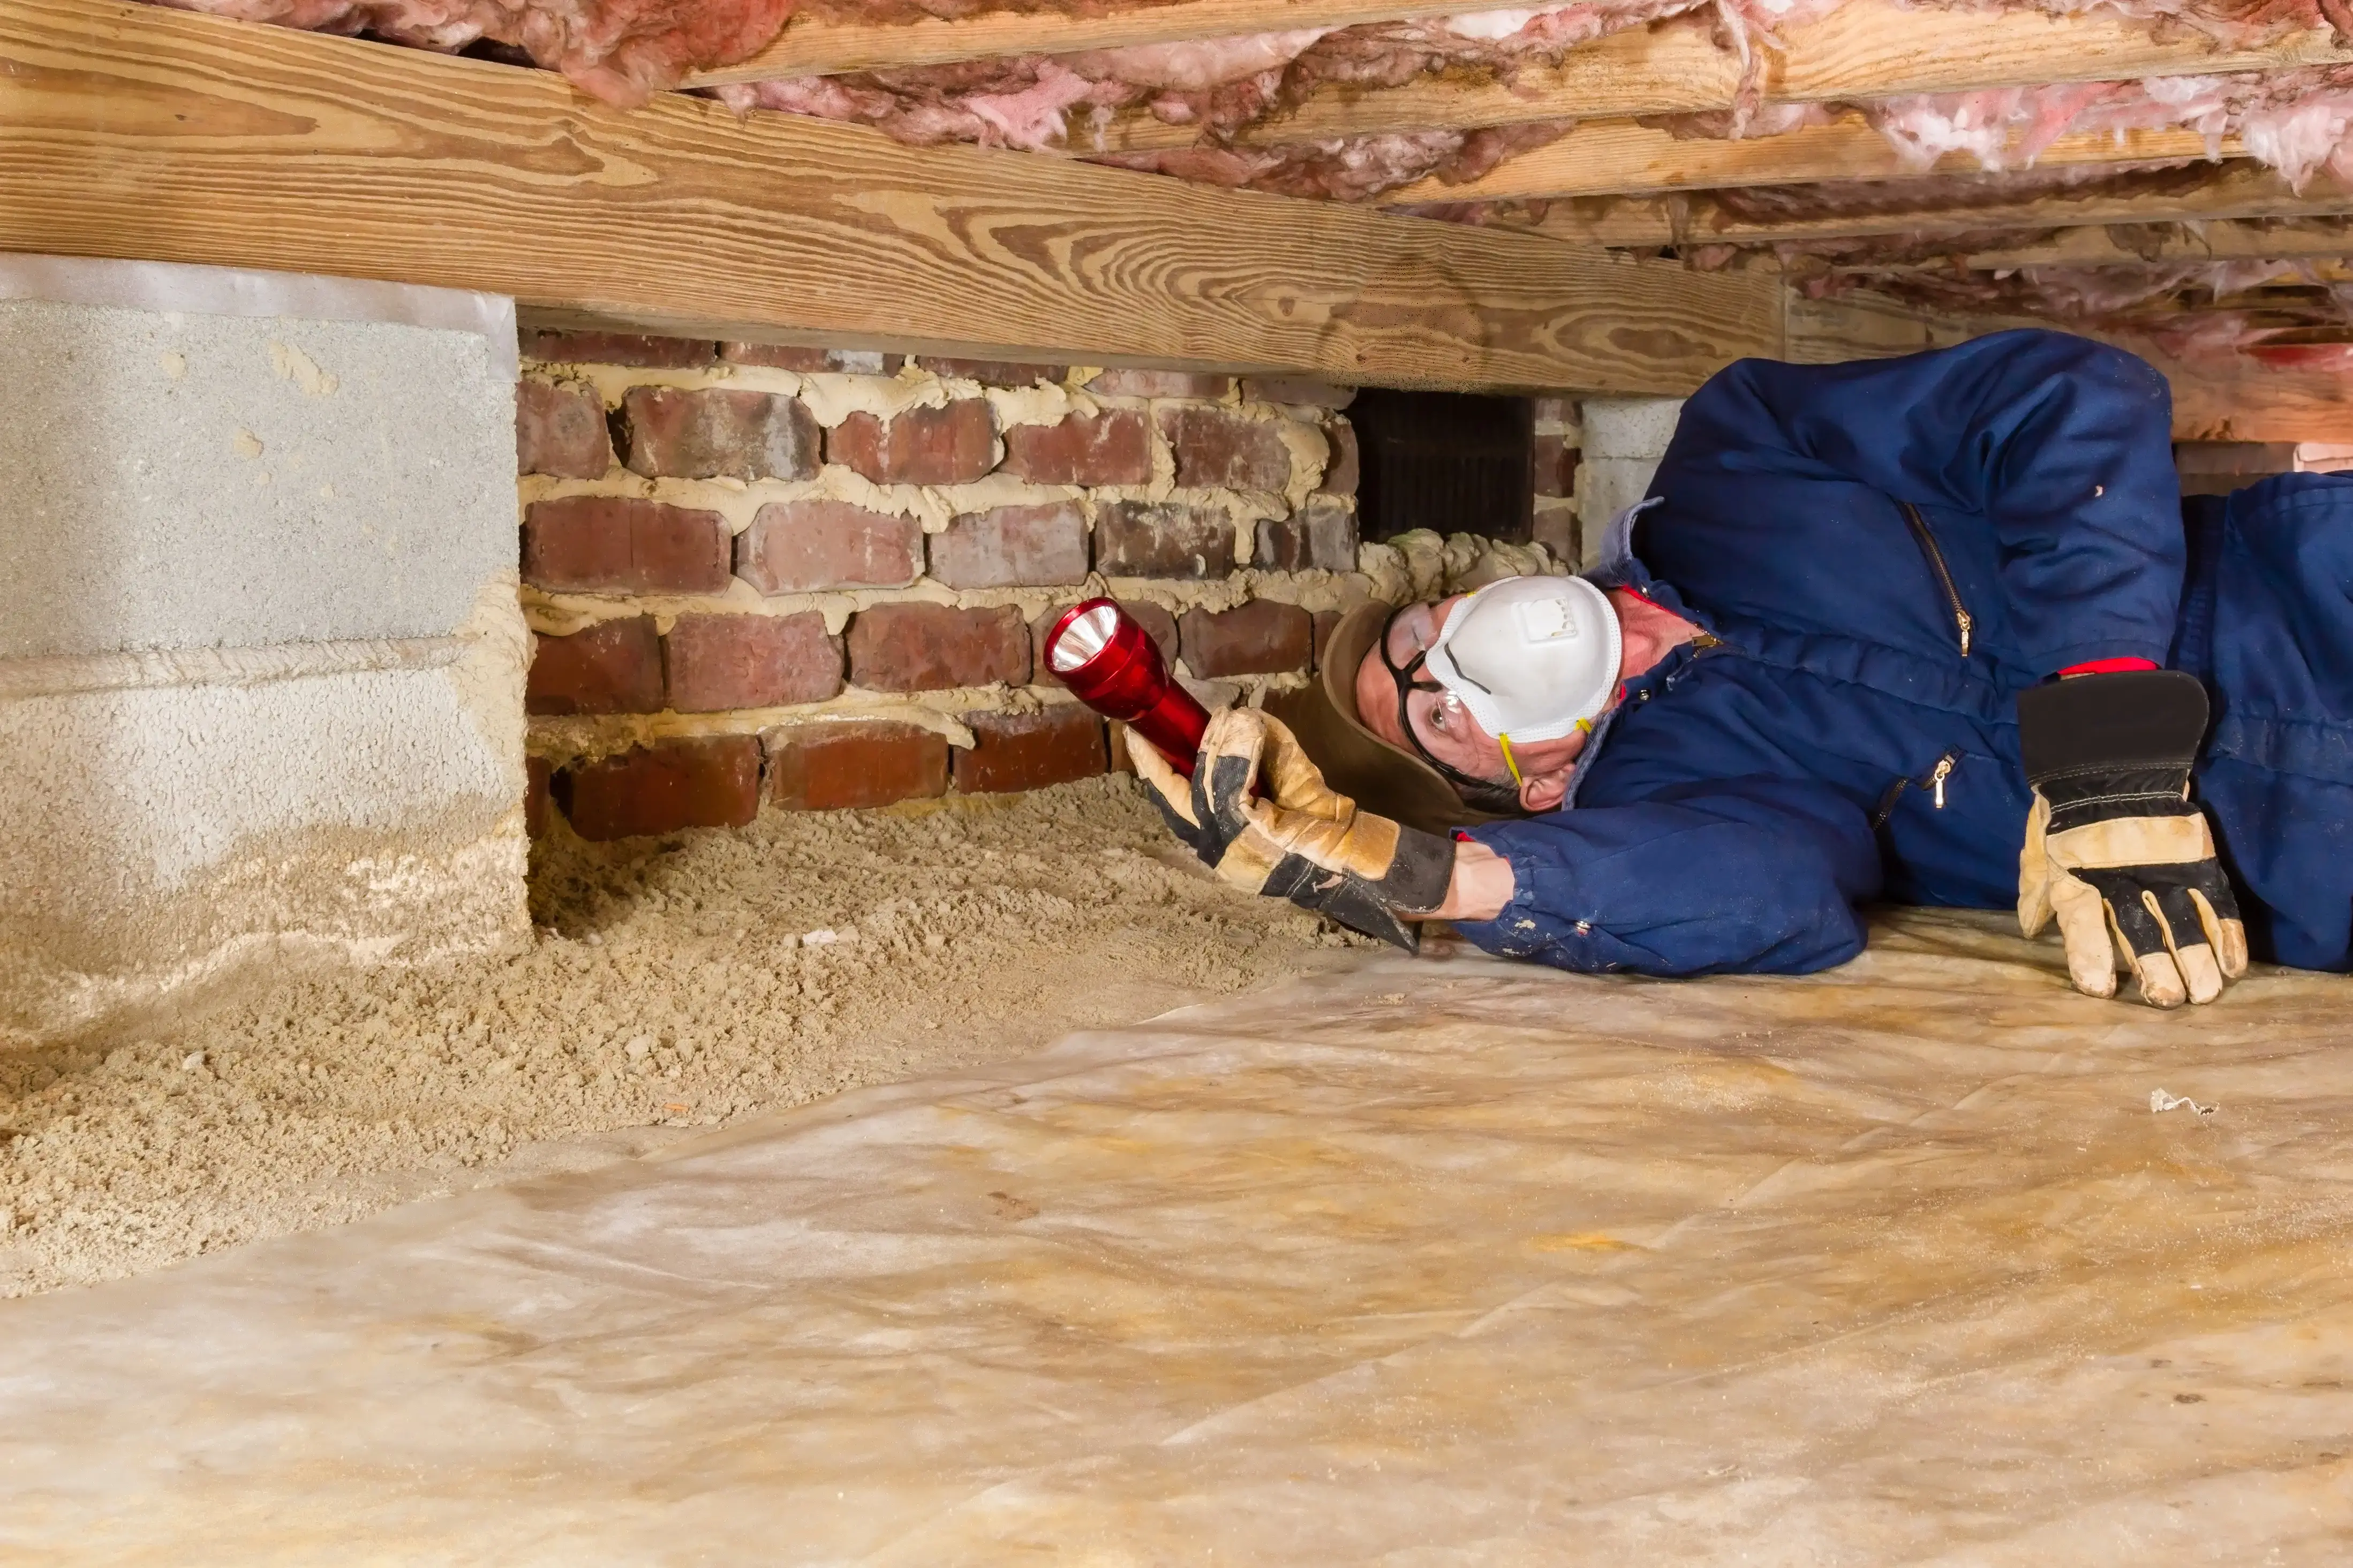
(2078, 738)
(2080, 799)
(1419, 877)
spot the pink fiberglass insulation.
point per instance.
(1351, 168)
(2295, 120)
(620, 50)
(1025, 101)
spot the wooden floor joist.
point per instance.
(816, 47)
(1615, 157)
(134, 130)
(2123, 246)
(1866, 50)
(2238, 190)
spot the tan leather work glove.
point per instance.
(2116, 850)
(1259, 813)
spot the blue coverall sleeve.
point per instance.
(1746, 875)
(2063, 444)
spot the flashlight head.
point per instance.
(1110, 662)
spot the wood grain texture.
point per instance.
(131, 130)
(2247, 400)
(1864, 326)
(1868, 48)
(812, 47)
(1617, 157)
(2213, 400)
(2236, 190)
(2124, 246)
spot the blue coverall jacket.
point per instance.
(1836, 527)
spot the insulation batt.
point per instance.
(623, 50)
(2295, 120)
(619, 50)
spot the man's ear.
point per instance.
(1546, 791)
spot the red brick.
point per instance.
(661, 788)
(1162, 539)
(1111, 448)
(618, 348)
(993, 372)
(1297, 391)
(865, 763)
(613, 544)
(927, 647)
(1340, 468)
(947, 446)
(1030, 750)
(1326, 623)
(1321, 536)
(812, 362)
(799, 546)
(1010, 546)
(1216, 448)
(560, 429)
(613, 667)
(1159, 383)
(1157, 623)
(678, 434)
(1558, 412)
(1555, 466)
(536, 771)
(718, 662)
(1261, 637)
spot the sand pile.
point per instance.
(672, 985)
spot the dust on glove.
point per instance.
(2116, 850)
(1259, 813)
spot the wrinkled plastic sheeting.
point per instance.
(1440, 1260)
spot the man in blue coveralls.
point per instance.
(1930, 630)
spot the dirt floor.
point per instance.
(670, 984)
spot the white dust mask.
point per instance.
(1532, 658)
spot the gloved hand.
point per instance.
(2113, 846)
(1299, 839)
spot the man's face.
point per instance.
(1442, 725)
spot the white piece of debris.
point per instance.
(2160, 1102)
(824, 938)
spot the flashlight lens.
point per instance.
(1084, 638)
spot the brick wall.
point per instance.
(1560, 450)
(815, 578)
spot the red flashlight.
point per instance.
(1111, 664)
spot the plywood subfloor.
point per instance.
(1435, 1261)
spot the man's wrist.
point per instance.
(1482, 885)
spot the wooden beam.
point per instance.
(1617, 157)
(811, 46)
(1865, 326)
(1866, 50)
(2241, 189)
(134, 130)
(2156, 245)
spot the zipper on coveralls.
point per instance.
(1962, 621)
(1933, 783)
